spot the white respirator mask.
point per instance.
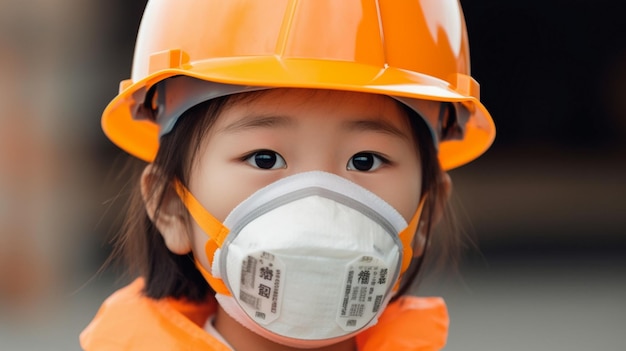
(307, 261)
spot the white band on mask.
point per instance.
(310, 260)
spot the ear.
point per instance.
(444, 192)
(166, 211)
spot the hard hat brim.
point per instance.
(140, 138)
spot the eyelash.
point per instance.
(250, 159)
(377, 161)
(366, 161)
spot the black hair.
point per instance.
(167, 274)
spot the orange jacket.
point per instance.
(129, 321)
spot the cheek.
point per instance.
(219, 193)
(404, 196)
(222, 193)
(218, 183)
(404, 191)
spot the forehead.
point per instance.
(319, 104)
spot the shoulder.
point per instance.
(409, 323)
(122, 320)
(128, 320)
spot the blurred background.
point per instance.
(545, 206)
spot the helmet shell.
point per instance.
(414, 49)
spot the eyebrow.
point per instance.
(375, 125)
(256, 121)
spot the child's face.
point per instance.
(362, 137)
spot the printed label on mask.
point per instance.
(260, 291)
(366, 282)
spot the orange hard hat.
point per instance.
(412, 50)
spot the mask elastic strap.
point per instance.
(216, 231)
(216, 283)
(406, 236)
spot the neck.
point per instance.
(243, 339)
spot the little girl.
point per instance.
(297, 153)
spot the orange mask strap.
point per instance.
(216, 231)
(406, 237)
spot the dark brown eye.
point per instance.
(266, 159)
(365, 162)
